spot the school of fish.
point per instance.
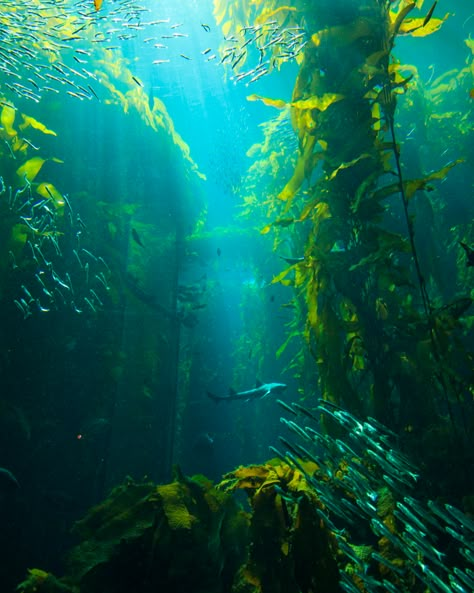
(38, 60)
(359, 476)
(57, 272)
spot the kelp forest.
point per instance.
(307, 220)
(388, 331)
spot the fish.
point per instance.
(137, 239)
(429, 14)
(260, 391)
(465, 577)
(137, 81)
(372, 462)
(8, 482)
(469, 254)
(286, 407)
(272, 43)
(464, 521)
(292, 260)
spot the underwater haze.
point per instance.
(236, 288)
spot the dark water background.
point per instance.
(83, 403)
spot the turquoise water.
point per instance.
(135, 276)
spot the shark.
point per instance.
(260, 391)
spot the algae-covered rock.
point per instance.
(182, 536)
(189, 536)
(40, 581)
(290, 550)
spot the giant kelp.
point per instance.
(373, 311)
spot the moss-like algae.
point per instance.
(190, 535)
(182, 536)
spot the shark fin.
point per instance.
(258, 383)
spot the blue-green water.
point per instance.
(137, 272)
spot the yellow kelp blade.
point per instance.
(281, 277)
(265, 16)
(398, 18)
(281, 222)
(320, 103)
(47, 190)
(343, 35)
(288, 192)
(413, 185)
(18, 144)
(349, 164)
(226, 27)
(31, 121)
(416, 28)
(7, 119)
(18, 238)
(30, 169)
(278, 103)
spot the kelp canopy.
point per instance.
(386, 332)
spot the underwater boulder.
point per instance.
(182, 536)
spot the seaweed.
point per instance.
(190, 535)
(181, 536)
(368, 292)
